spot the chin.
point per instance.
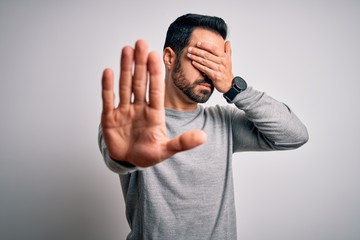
(203, 98)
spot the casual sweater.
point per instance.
(191, 195)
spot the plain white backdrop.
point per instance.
(53, 182)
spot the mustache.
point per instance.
(206, 80)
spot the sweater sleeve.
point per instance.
(265, 124)
(113, 165)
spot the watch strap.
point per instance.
(231, 94)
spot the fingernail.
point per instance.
(190, 49)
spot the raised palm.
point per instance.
(135, 130)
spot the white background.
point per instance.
(53, 183)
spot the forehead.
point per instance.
(204, 35)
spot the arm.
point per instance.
(268, 124)
(264, 123)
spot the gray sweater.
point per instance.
(191, 195)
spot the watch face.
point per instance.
(240, 83)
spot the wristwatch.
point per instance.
(238, 86)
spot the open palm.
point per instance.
(135, 130)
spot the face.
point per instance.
(193, 83)
(198, 90)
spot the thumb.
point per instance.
(186, 141)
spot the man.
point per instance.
(173, 155)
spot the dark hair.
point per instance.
(179, 32)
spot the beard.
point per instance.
(188, 88)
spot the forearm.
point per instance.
(280, 127)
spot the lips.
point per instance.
(206, 85)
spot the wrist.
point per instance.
(229, 83)
(123, 163)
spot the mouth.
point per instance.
(206, 85)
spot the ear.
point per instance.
(169, 57)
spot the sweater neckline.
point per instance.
(183, 114)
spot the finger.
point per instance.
(125, 91)
(206, 70)
(209, 47)
(186, 141)
(107, 91)
(203, 61)
(156, 91)
(140, 73)
(203, 54)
